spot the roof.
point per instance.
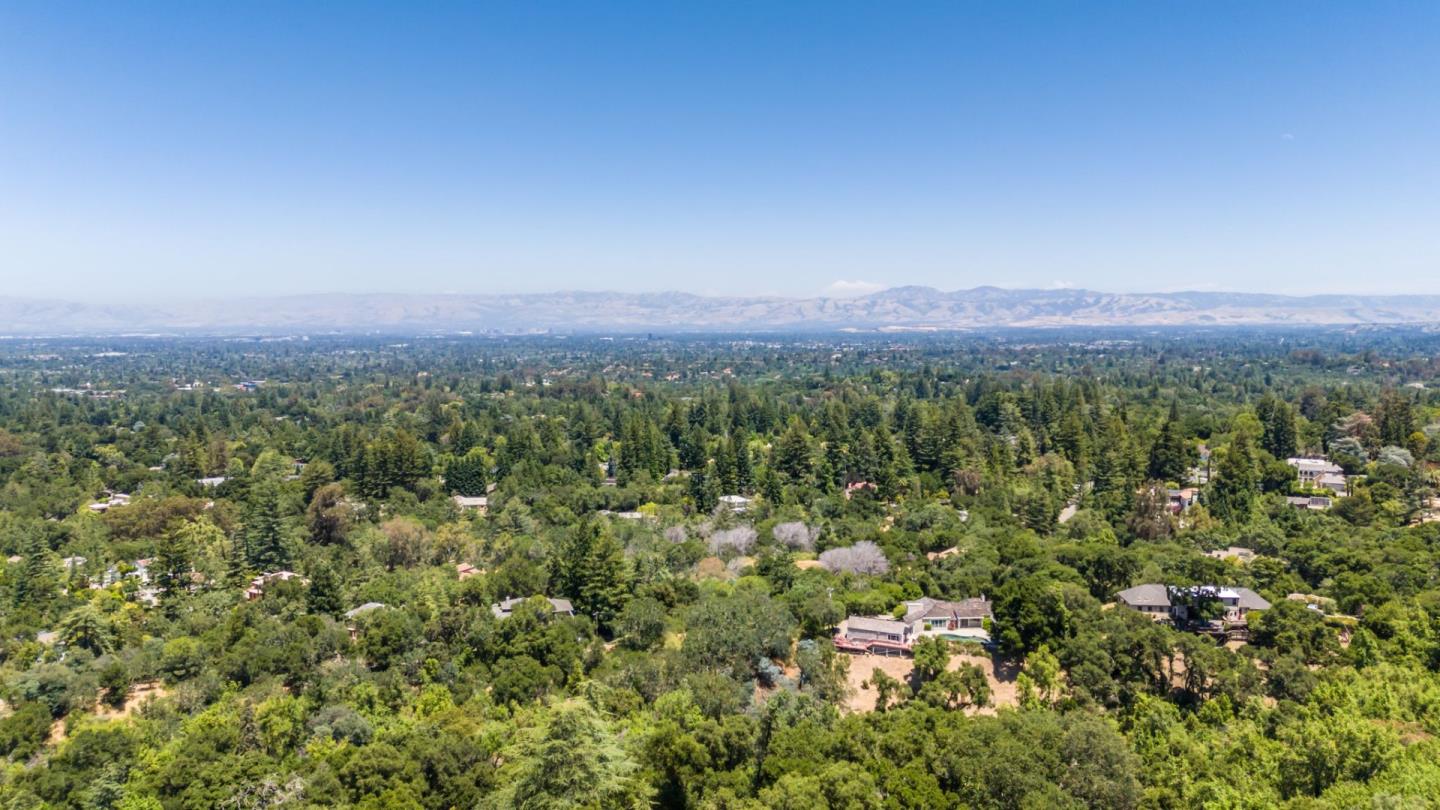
(1249, 600)
(507, 606)
(1314, 465)
(1245, 599)
(276, 576)
(875, 624)
(471, 502)
(1239, 552)
(365, 608)
(1148, 594)
(926, 608)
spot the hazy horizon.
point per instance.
(137, 300)
(186, 151)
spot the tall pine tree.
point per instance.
(1237, 481)
(265, 527)
(1171, 454)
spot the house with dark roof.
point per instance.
(505, 607)
(874, 635)
(1152, 600)
(1185, 604)
(965, 620)
(1314, 503)
(870, 628)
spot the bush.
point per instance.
(642, 623)
(25, 730)
(115, 680)
(342, 724)
(182, 658)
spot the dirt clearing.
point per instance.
(1002, 685)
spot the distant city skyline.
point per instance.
(182, 150)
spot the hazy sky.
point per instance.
(723, 147)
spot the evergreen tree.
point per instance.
(1069, 438)
(704, 489)
(468, 474)
(771, 487)
(468, 438)
(264, 527)
(1237, 481)
(87, 628)
(1171, 456)
(1277, 423)
(604, 587)
(37, 583)
(793, 455)
(173, 560)
(643, 448)
(1114, 479)
(744, 466)
(575, 761)
(890, 463)
(692, 449)
(1395, 419)
(589, 568)
(725, 472)
(323, 596)
(237, 563)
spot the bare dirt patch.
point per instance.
(1000, 674)
(141, 694)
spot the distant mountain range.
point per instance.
(900, 308)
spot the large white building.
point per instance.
(1319, 474)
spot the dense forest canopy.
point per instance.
(587, 571)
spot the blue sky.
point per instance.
(796, 148)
